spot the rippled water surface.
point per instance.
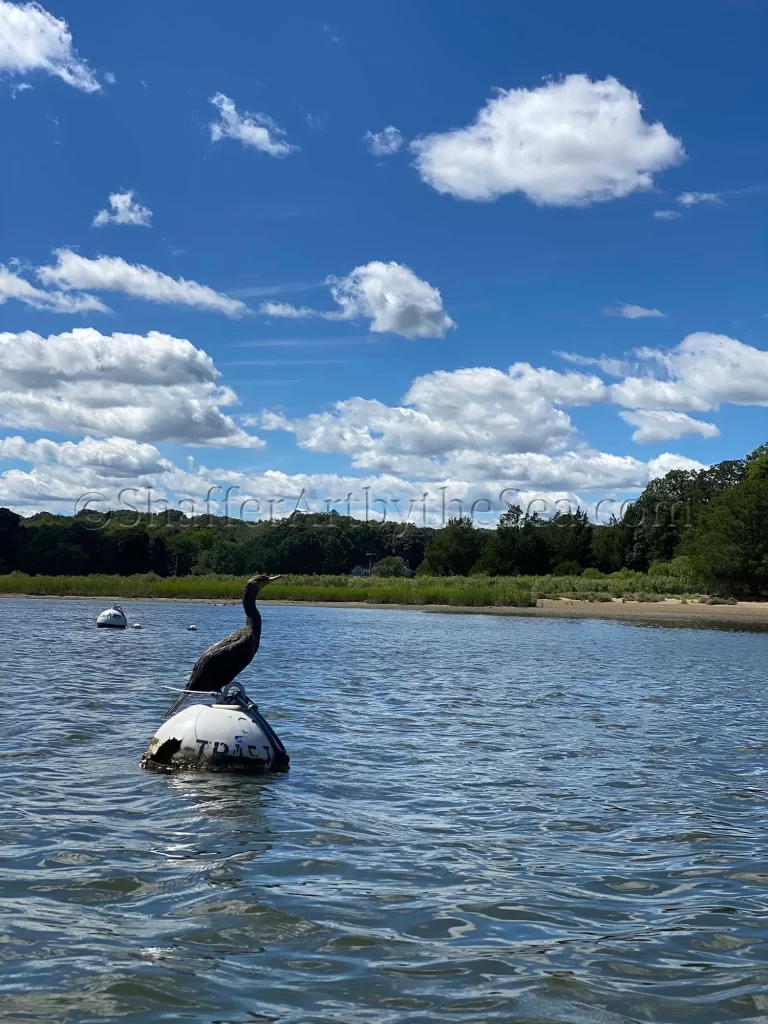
(486, 819)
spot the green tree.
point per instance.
(569, 535)
(454, 550)
(392, 565)
(9, 539)
(534, 553)
(608, 547)
(499, 557)
(729, 540)
(567, 569)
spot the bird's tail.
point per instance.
(177, 703)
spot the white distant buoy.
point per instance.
(137, 625)
(192, 628)
(112, 618)
(231, 735)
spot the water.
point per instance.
(486, 819)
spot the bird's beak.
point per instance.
(271, 578)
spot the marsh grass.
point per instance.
(468, 591)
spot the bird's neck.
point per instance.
(249, 606)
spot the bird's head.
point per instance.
(255, 583)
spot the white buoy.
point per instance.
(193, 628)
(112, 618)
(137, 625)
(229, 736)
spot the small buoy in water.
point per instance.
(192, 628)
(112, 618)
(137, 625)
(231, 734)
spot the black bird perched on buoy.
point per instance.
(219, 665)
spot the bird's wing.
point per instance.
(215, 668)
(218, 666)
(221, 663)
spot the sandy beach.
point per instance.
(745, 614)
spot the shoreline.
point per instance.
(752, 614)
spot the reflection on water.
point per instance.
(486, 819)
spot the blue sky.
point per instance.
(622, 168)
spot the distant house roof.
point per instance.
(359, 571)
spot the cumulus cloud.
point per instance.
(125, 210)
(113, 457)
(389, 295)
(256, 130)
(147, 388)
(112, 273)
(62, 472)
(384, 143)
(694, 198)
(667, 462)
(468, 433)
(702, 372)
(486, 427)
(629, 311)
(394, 299)
(32, 39)
(387, 443)
(569, 142)
(655, 425)
(14, 287)
(666, 215)
(469, 415)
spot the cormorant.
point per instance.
(219, 665)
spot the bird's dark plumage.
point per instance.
(225, 660)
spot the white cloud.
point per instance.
(14, 287)
(481, 427)
(407, 445)
(125, 210)
(473, 431)
(32, 39)
(609, 365)
(389, 295)
(693, 198)
(447, 419)
(631, 312)
(286, 311)
(113, 457)
(111, 273)
(702, 372)
(148, 388)
(667, 462)
(63, 472)
(385, 142)
(394, 299)
(569, 142)
(666, 215)
(655, 425)
(256, 130)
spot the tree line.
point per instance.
(715, 519)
